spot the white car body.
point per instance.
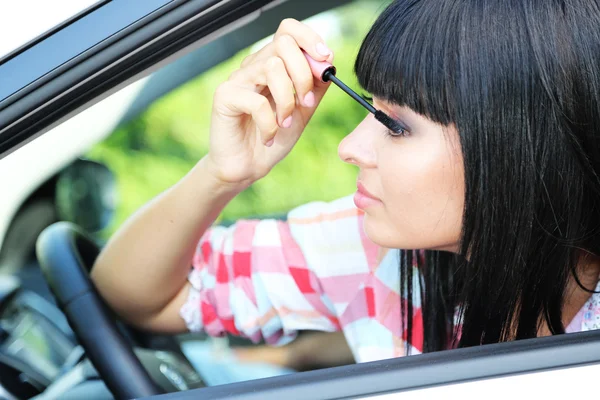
(41, 159)
(567, 383)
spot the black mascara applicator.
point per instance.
(326, 72)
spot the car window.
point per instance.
(19, 25)
(154, 150)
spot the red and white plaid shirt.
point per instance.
(268, 279)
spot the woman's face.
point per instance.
(411, 188)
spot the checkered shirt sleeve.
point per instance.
(268, 279)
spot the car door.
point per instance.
(78, 66)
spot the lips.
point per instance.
(363, 199)
(362, 190)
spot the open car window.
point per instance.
(151, 151)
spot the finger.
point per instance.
(271, 80)
(249, 59)
(306, 38)
(271, 73)
(253, 76)
(265, 52)
(297, 68)
(232, 100)
(282, 89)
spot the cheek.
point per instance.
(423, 191)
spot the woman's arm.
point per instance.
(320, 350)
(258, 115)
(310, 351)
(143, 269)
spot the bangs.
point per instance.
(409, 57)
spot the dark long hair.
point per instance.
(520, 80)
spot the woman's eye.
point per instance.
(402, 133)
(389, 132)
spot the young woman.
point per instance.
(492, 192)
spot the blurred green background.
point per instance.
(155, 150)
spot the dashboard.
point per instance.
(36, 343)
(35, 337)
(39, 352)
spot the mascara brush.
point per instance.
(326, 72)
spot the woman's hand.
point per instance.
(260, 112)
(309, 351)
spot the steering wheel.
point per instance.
(66, 254)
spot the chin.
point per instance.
(386, 236)
(382, 235)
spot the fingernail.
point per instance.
(270, 143)
(309, 99)
(287, 122)
(323, 50)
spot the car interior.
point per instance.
(58, 338)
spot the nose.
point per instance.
(358, 147)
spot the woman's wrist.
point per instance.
(211, 171)
(202, 195)
(208, 175)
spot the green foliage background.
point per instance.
(153, 151)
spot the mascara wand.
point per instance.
(326, 72)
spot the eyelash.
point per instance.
(393, 134)
(388, 132)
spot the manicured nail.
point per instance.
(287, 122)
(270, 142)
(309, 99)
(323, 50)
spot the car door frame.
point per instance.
(418, 372)
(108, 65)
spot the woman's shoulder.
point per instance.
(332, 237)
(328, 224)
(590, 312)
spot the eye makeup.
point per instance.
(326, 72)
(405, 130)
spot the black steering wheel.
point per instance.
(66, 255)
